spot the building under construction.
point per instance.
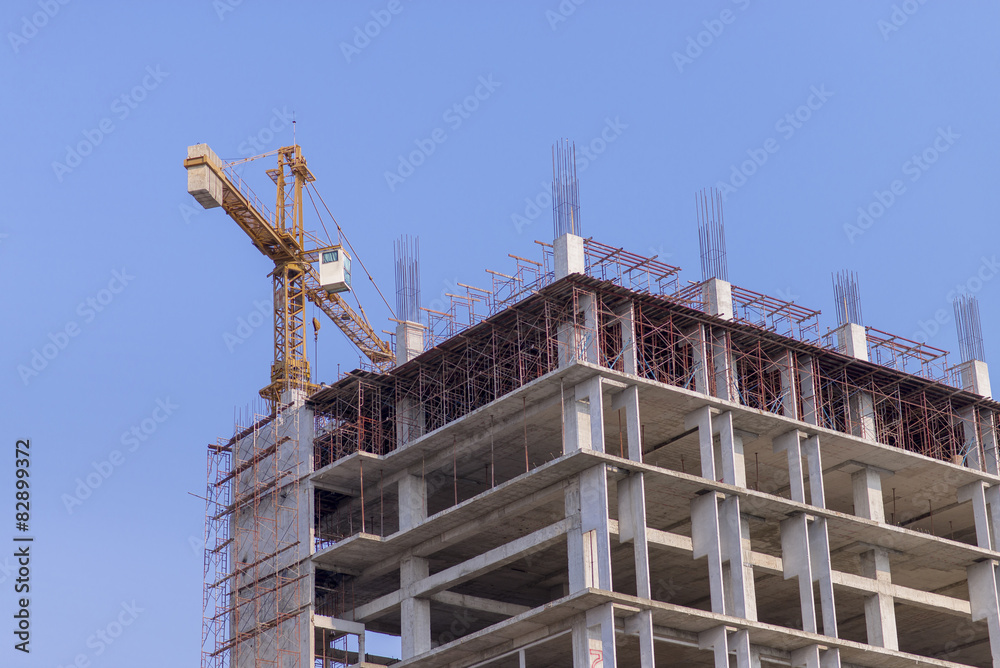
(590, 464)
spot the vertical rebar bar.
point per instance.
(847, 298)
(565, 190)
(970, 329)
(407, 252)
(711, 235)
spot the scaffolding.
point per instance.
(674, 344)
(255, 571)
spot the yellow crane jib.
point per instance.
(280, 235)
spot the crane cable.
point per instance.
(340, 234)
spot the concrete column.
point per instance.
(589, 544)
(721, 641)
(595, 538)
(789, 393)
(975, 377)
(412, 491)
(569, 256)
(576, 341)
(721, 533)
(880, 614)
(983, 595)
(723, 462)
(852, 339)
(792, 444)
(626, 313)
(718, 296)
(584, 416)
(862, 415)
(810, 405)
(641, 624)
(589, 335)
(734, 470)
(736, 551)
(410, 424)
(724, 367)
(988, 434)
(805, 554)
(632, 528)
(971, 455)
(817, 490)
(796, 563)
(701, 420)
(701, 358)
(868, 503)
(415, 613)
(628, 399)
(594, 639)
(409, 341)
(986, 512)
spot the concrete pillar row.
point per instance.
(721, 533)
(805, 542)
(719, 530)
(880, 613)
(722, 461)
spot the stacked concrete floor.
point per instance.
(548, 489)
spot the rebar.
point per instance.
(565, 190)
(407, 252)
(847, 298)
(711, 235)
(970, 329)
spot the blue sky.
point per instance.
(884, 107)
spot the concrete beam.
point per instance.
(479, 604)
(493, 559)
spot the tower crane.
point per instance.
(282, 238)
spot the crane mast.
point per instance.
(282, 237)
